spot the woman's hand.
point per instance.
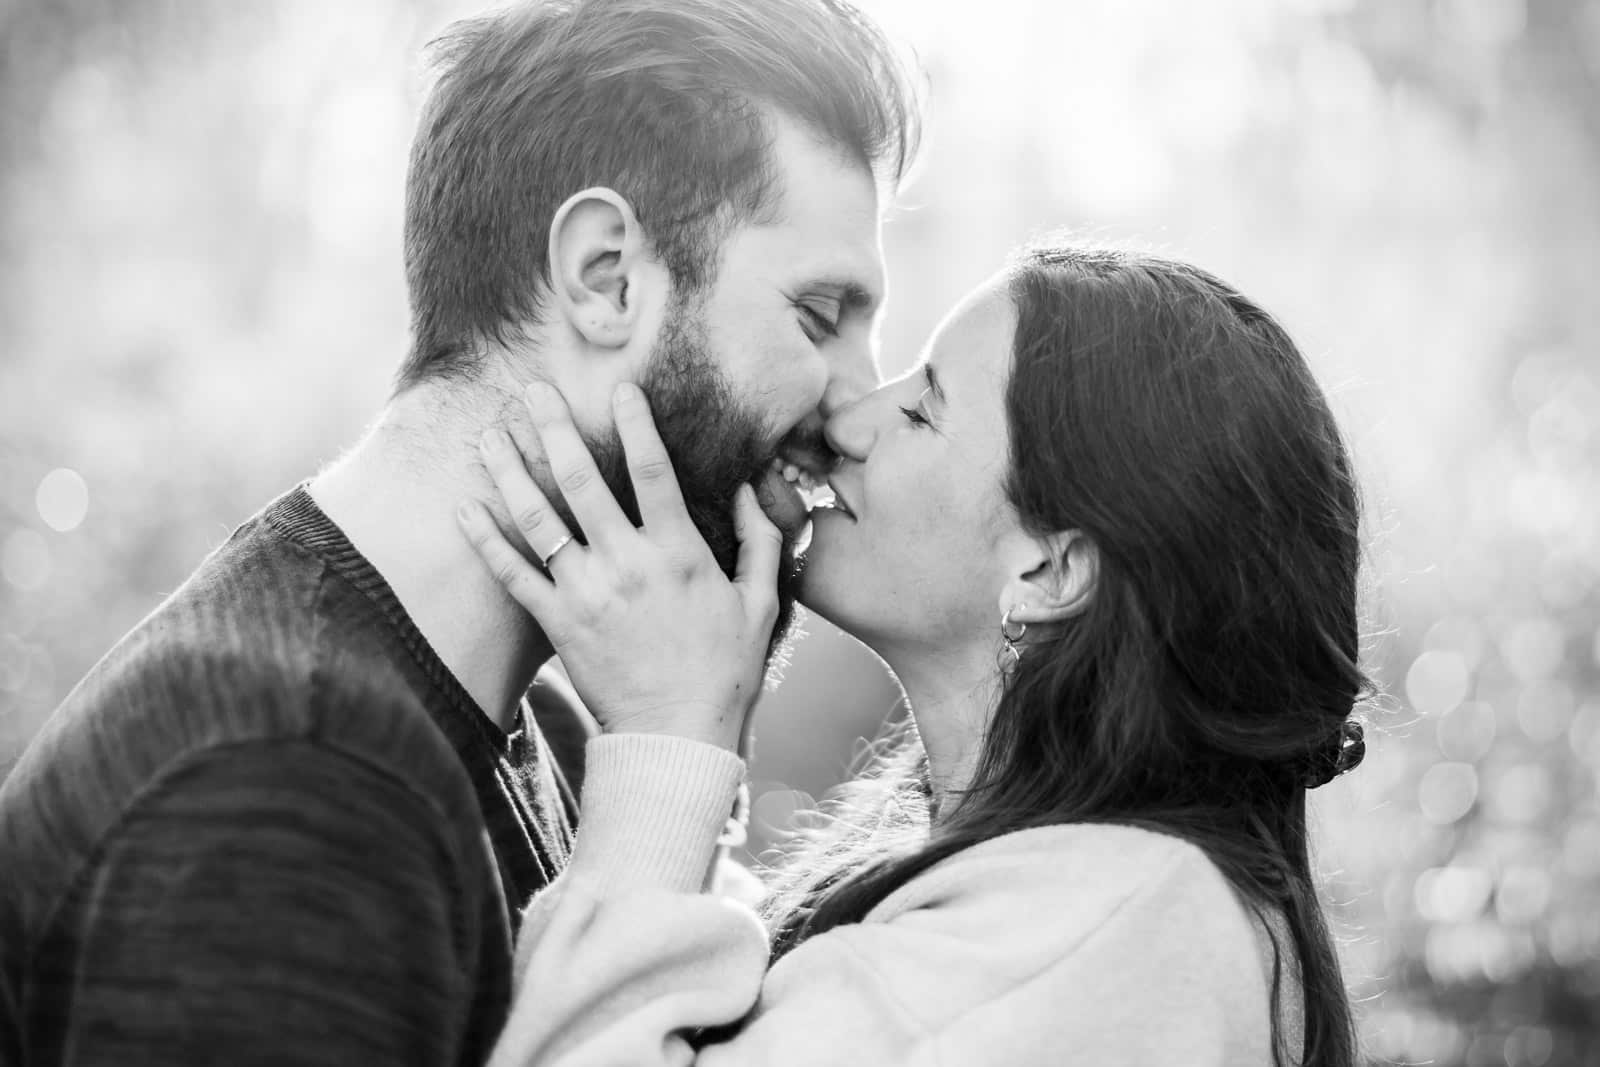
(654, 635)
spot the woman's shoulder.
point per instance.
(1103, 856)
(1071, 881)
(1127, 945)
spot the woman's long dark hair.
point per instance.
(1212, 679)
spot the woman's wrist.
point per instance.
(703, 723)
(653, 807)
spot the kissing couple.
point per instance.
(1105, 534)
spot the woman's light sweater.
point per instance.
(1084, 944)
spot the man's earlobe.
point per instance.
(596, 247)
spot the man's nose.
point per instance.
(850, 430)
(852, 374)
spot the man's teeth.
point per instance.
(813, 492)
(795, 476)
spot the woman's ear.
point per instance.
(599, 266)
(1054, 582)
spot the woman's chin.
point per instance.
(815, 590)
(832, 613)
(825, 587)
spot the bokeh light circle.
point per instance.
(13, 663)
(1546, 709)
(1453, 894)
(1521, 793)
(1523, 895)
(62, 499)
(1447, 792)
(1534, 648)
(1580, 852)
(1437, 681)
(1466, 732)
(25, 560)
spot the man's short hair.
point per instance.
(661, 100)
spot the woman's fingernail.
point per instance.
(467, 510)
(626, 393)
(494, 439)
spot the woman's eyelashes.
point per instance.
(916, 416)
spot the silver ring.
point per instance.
(557, 547)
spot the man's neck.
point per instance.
(395, 496)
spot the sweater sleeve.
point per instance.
(624, 957)
(278, 903)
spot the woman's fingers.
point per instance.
(530, 510)
(655, 484)
(760, 550)
(572, 467)
(527, 586)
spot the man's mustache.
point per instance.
(807, 447)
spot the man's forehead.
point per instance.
(825, 210)
(820, 260)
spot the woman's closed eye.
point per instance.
(915, 415)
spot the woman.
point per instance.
(1106, 538)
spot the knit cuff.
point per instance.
(651, 811)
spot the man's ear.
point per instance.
(599, 266)
(1055, 581)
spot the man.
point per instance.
(292, 816)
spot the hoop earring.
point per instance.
(1011, 633)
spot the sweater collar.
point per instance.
(297, 516)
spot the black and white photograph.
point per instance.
(788, 533)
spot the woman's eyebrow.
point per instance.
(933, 382)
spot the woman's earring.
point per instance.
(1011, 633)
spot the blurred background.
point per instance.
(202, 300)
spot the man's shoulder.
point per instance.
(229, 655)
(245, 652)
(265, 639)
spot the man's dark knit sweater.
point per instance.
(270, 827)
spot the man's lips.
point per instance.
(794, 484)
(782, 502)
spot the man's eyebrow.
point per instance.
(933, 382)
(850, 294)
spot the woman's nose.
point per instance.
(850, 430)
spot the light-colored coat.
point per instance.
(1100, 945)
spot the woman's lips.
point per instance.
(838, 503)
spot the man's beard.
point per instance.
(716, 445)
